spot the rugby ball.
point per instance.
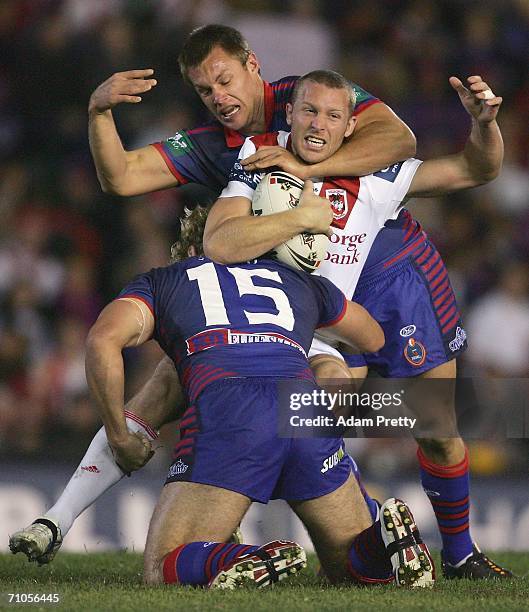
(277, 192)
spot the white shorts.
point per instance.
(320, 346)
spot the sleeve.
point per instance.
(332, 303)
(390, 185)
(189, 153)
(240, 182)
(141, 288)
(363, 99)
(177, 152)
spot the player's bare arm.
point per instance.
(161, 399)
(233, 235)
(380, 139)
(481, 159)
(121, 172)
(356, 328)
(123, 323)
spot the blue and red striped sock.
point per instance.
(448, 489)
(196, 563)
(368, 560)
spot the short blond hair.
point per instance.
(329, 78)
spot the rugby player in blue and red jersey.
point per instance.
(380, 255)
(236, 334)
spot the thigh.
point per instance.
(161, 399)
(333, 521)
(420, 319)
(188, 512)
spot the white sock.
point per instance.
(96, 473)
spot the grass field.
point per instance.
(112, 581)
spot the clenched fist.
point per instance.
(133, 452)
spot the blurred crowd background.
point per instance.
(66, 248)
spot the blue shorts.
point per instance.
(229, 439)
(415, 304)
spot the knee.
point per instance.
(443, 451)
(152, 575)
(327, 367)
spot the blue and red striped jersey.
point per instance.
(253, 319)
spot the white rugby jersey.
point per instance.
(361, 206)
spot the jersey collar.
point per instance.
(235, 139)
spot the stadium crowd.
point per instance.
(66, 247)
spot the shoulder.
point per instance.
(286, 82)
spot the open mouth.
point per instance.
(228, 112)
(314, 142)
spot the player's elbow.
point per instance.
(100, 339)
(408, 142)
(489, 175)
(219, 249)
(114, 187)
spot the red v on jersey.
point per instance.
(342, 193)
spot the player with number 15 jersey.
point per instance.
(233, 332)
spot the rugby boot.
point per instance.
(40, 541)
(263, 567)
(410, 558)
(477, 567)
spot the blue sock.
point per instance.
(368, 560)
(448, 489)
(196, 563)
(372, 505)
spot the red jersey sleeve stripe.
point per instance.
(169, 162)
(336, 319)
(361, 106)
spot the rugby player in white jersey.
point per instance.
(407, 278)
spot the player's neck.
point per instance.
(257, 122)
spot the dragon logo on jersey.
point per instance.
(414, 352)
(338, 200)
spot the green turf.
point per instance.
(112, 581)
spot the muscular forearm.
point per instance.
(375, 146)
(107, 151)
(243, 238)
(484, 151)
(105, 376)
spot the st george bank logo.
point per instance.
(407, 331)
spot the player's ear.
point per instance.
(252, 63)
(288, 112)
(192, 251)
(351, 123)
